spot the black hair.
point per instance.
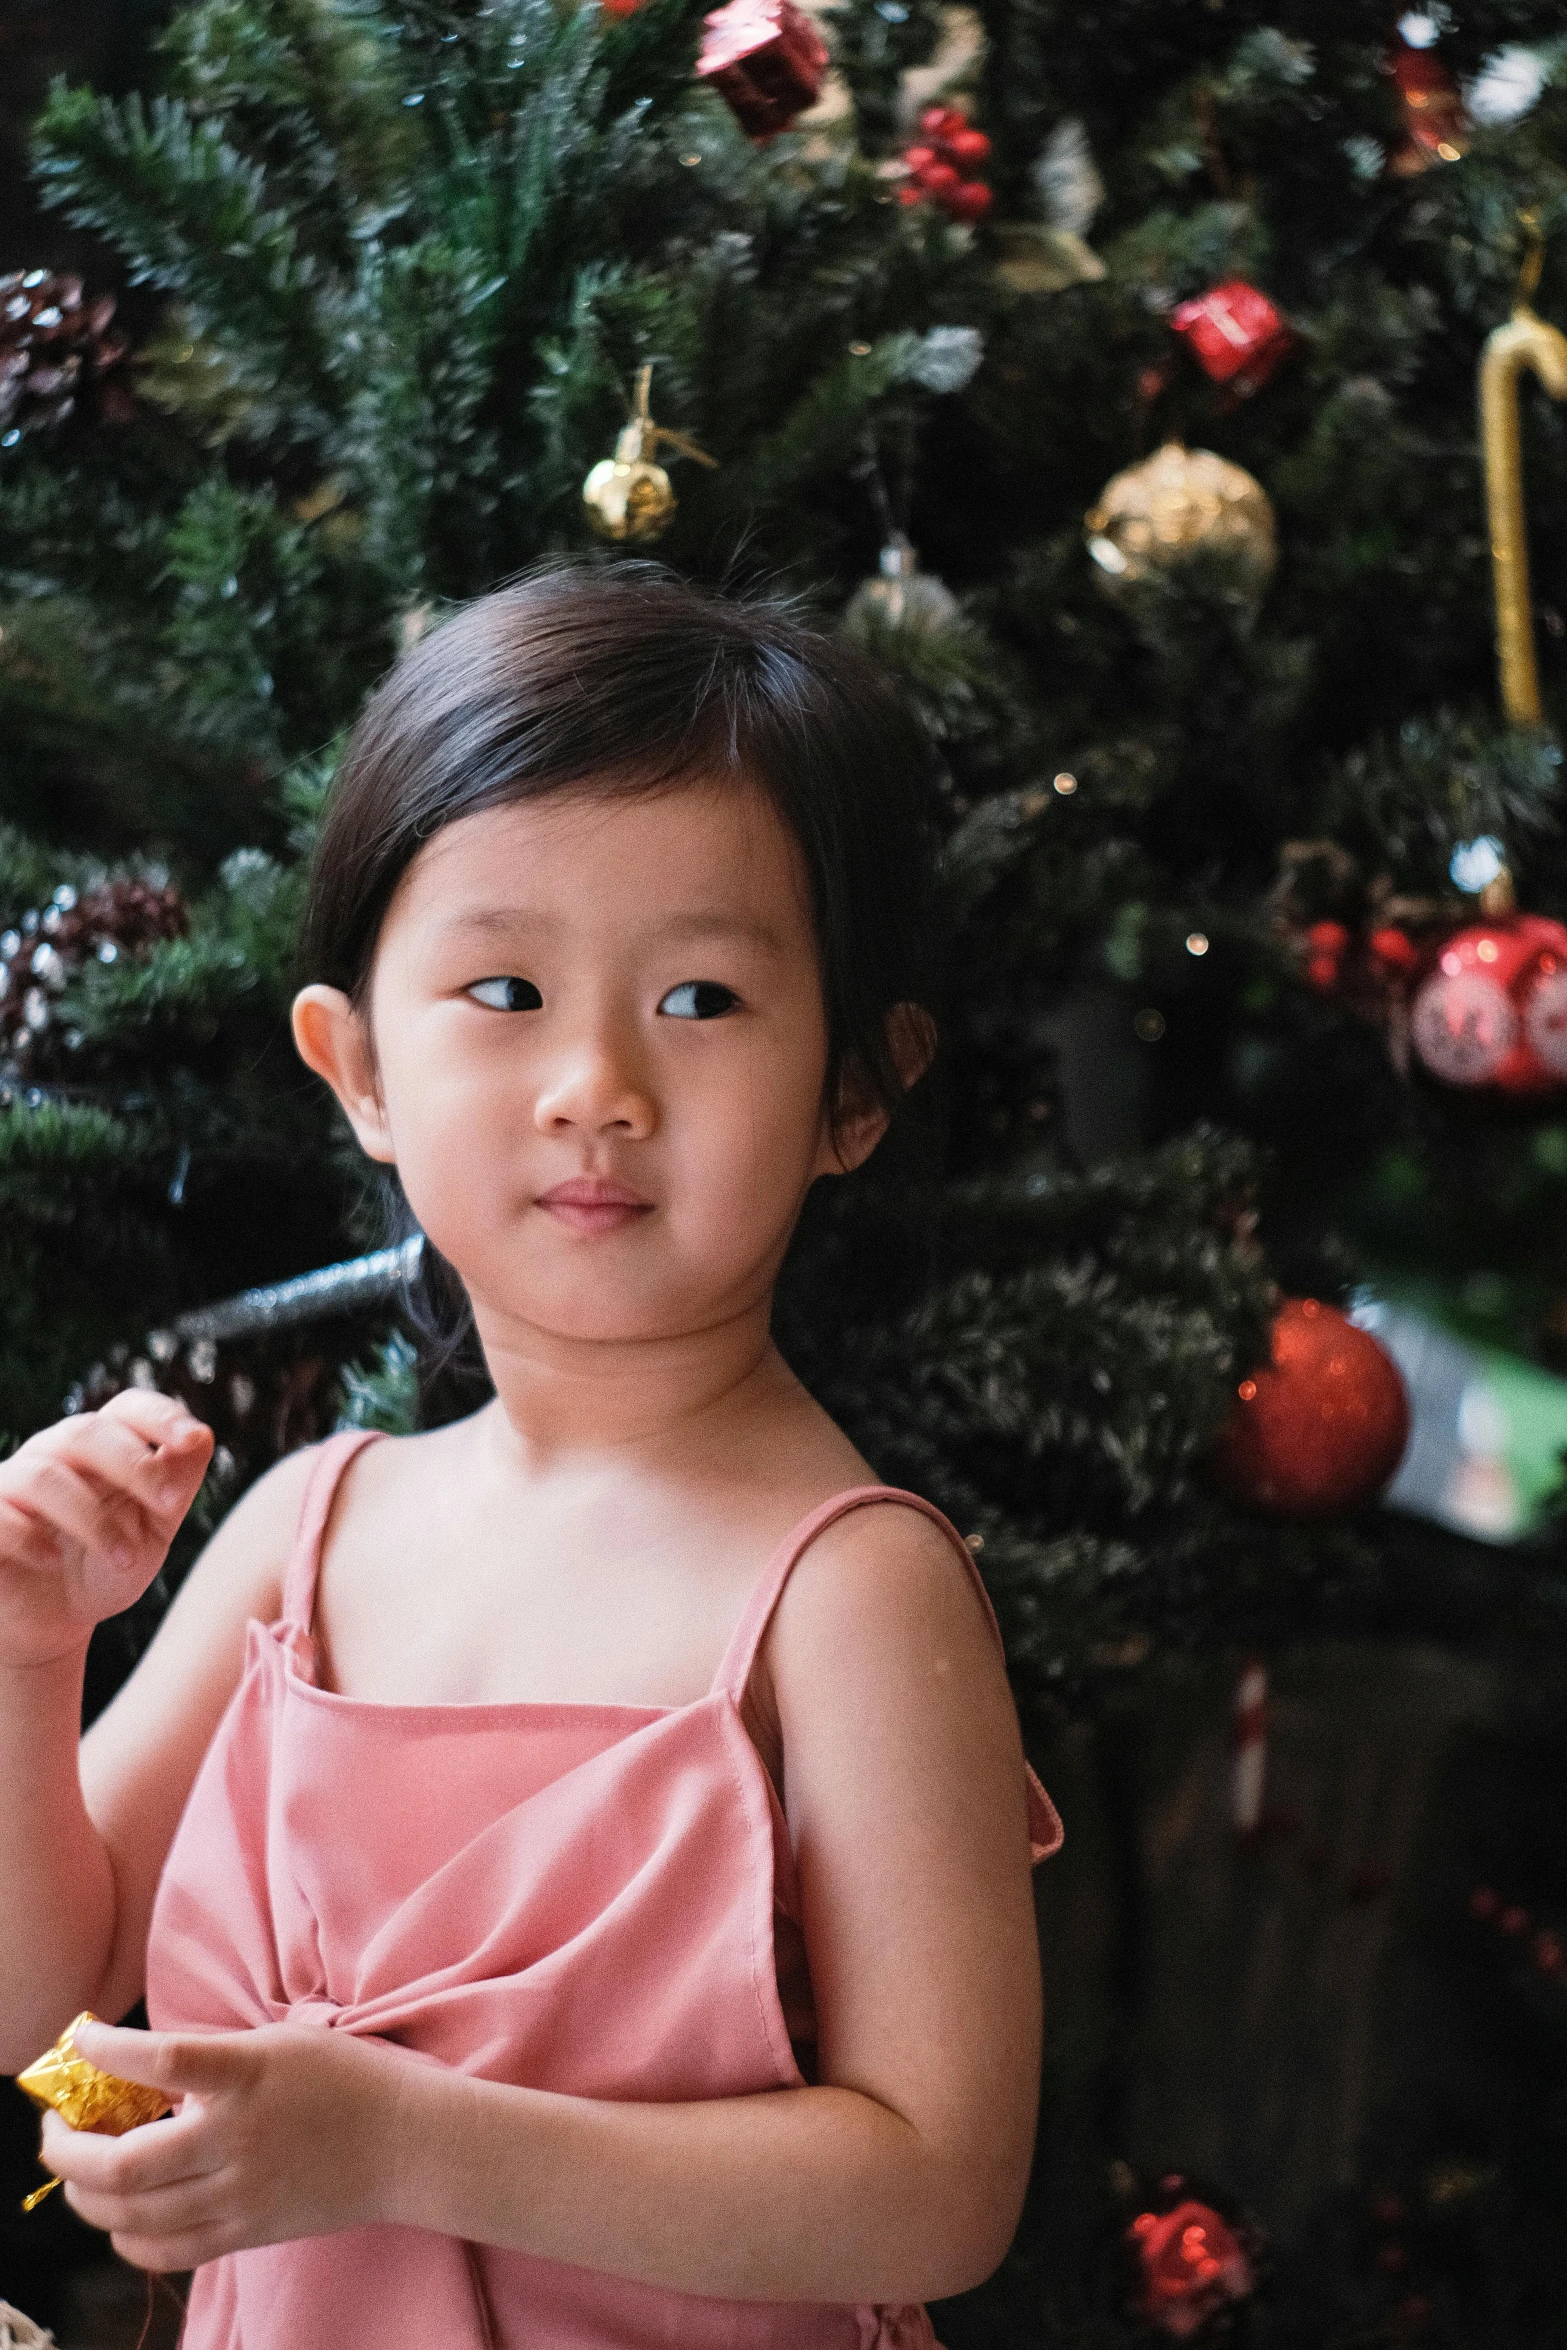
(619, 680)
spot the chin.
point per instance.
(596, 1314)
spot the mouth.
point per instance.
(591, 1203)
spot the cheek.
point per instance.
(756, 1121)
(453, 1125)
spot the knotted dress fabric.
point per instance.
(579, 1898)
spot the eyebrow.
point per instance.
(699, 923)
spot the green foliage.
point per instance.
(402, 266)
(393, 271)
(383, 1393)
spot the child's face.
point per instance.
(597, 1055)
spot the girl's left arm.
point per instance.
(898, 2178)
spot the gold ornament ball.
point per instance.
(1180, 503)
(629, 498)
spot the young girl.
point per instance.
(577, 1859)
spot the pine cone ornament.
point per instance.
(261, 1394)
(38, 956)
(57, 351)
(260, 1369)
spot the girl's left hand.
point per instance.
(281, 2131)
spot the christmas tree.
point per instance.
(1154, 330)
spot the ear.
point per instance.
(862, 1121)
(333, 1039)
(911, 1032)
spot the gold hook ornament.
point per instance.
(628, 496)
(1525, 341)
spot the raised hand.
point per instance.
(88, 1509)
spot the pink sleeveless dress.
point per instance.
(585, 1898)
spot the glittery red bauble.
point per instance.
(1321, 1428)
(767, 58)
(1494, 1011)
(1189, 2263)
(1235, 334)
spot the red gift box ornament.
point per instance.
(1190, 2262)
(767, 58)
(1235, 334)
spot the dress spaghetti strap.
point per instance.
(304, 1561)
(1044, 1825)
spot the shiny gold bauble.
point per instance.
(627, 496)
(1181, 504)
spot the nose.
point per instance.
(596, 1087)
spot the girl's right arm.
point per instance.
(87, 1511)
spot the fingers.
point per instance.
(145, 2160)
(175, 2062)
(168, 2227)
(112, 1483)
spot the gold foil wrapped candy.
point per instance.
(85, 2097)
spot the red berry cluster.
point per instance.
(1390, 955)
(944, 165)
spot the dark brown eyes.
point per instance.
(699, 999)
(693, 999)
(507, 995)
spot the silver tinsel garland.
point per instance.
(332, 1289)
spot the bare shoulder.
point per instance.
(883, 1567)
(881, 1599)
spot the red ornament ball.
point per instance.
(1494, 1011)
(1189, 2263)
(1323, 1426)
